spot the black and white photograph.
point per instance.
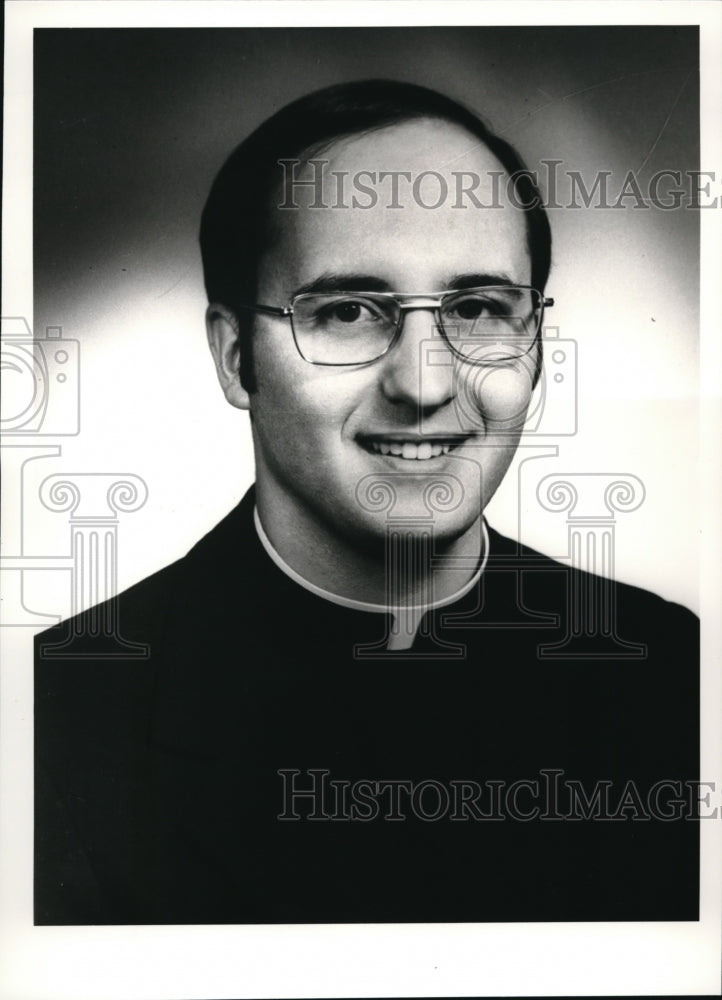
(361, 543)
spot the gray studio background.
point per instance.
(131, 127)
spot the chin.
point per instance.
(373, 530)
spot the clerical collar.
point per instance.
(406, 620)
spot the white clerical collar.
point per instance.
(406, 620)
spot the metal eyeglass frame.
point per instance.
(433, 301)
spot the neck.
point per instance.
(391, 569)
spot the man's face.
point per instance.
(325, 436)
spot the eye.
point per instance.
(474, 306)
(471, 307)
(347, 311)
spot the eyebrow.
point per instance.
(333, 281)
(479, 280)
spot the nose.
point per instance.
(418, 371)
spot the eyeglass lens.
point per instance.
(483, 325)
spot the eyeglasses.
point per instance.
(482, 326)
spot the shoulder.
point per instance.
(131, 617)
(139, 615)
(556, 584)
(97, 674)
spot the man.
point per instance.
(360, 703)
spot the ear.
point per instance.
(224, 342)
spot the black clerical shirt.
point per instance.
(240, 750)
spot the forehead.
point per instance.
(416, 202)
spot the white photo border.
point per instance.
(564, 959)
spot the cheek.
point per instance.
(309, 403)
(498, 396)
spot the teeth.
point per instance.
(410, 449)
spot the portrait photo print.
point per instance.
(408, 632)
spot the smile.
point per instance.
(419, 450)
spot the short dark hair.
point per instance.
(235, 229)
